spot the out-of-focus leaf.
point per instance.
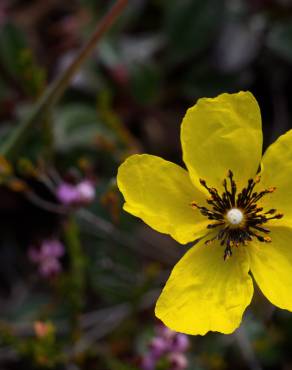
(142, 48)
(115, 364)
(12, 43)
(109, 54)
(279, 40)
(78, 125)
(207, 81)
(5, 131)
(191, 25)
(145, 83)
(239, 43)
(130, 51)
(18, 60)
(114, 274)
(32, 76)
(30, 309)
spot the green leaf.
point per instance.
(207, 81)
(30, 308)
(191, 25)
(279, 40)
(12, 43)
(78, 125)
(18, 61)
(145, 83)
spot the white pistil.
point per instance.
(234, 216)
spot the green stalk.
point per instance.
(75, 284)
(53, 93)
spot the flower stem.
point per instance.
(53, 93)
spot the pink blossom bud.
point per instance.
(158, 346)
(180, 343)
(50, 267)
(82, 193)
(52, 248)
(47, 257)
(164, 332)
(178, 361)
(148, 362)
(86, 192)
(67, 193)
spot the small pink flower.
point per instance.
(47, 257)
(165, 332)
(148, 362)
(178, 361)
(158, 346)
(80, 194)
(67, 193)
(180, 343)
(86, 192)
(50, 267)
(169, 345)
(52, 248)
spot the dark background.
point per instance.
(130, 96)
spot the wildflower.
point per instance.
(225, 203)
(47, 257)
(148, 362)
(178, 361)
(86, 192)
(159, 346)
(67, 193)
(82, 193)
(180, 343)
(166, 345)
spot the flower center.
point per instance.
(234, 216)
(237, 216)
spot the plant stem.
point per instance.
(53, 93)
(75, 284)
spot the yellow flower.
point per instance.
(225, 202)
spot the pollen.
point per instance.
(236, 217)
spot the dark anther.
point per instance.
(253, 218)
(271, 211)
(227, 253)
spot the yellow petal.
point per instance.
(205, 293)
(277, 171)
(160, 193)
(221, 134)
(271, 266)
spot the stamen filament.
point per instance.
(238, 218)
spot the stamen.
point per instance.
(227, 253)
(237, 217)
(278, 217)
(271, 211)
(212, 226)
